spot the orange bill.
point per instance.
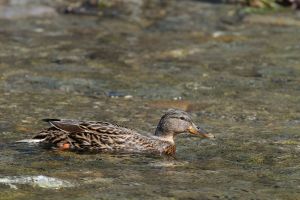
(193, 129)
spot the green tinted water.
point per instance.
(240, 82)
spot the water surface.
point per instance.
(238, 80)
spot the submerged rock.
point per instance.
(39, 181)
(17, 12)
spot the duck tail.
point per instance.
(49, 120)
(32, 141)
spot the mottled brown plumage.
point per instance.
(107, 137)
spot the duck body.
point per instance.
(101, 137)
(106, 137)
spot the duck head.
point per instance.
(174, 122)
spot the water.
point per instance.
(239, 81)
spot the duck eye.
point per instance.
(182, 118)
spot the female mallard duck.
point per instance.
(106, 137)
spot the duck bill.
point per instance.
(193, 129)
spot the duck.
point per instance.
(99, 136)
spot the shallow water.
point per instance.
(239, 81)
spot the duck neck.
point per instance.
(168, 137)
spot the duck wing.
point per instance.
(66, 125)
(87, 135)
